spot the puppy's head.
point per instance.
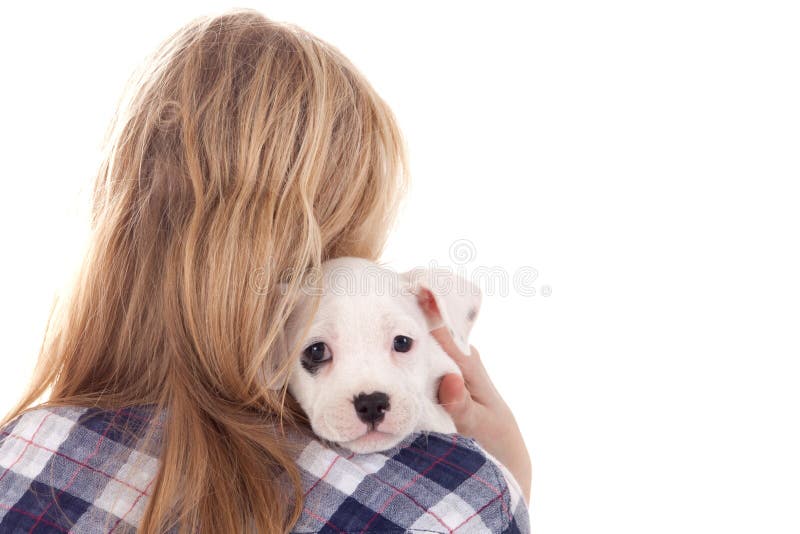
(366, 371)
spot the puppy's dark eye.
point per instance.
(402, 343)
(317, 353)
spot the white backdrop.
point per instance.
(642, 157)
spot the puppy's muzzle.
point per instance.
(371, 408)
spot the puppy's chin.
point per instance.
(373, 441)
(358, 440)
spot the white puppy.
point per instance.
(367, 370)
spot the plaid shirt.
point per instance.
(86, 470)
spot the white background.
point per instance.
(641, 156)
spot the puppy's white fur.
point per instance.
(362, 308)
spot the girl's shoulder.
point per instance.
(72, 469)
(429, 482)
(75, 469)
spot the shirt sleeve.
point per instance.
(428, 483)
(520, 518)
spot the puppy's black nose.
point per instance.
(371, 408)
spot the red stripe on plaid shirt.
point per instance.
(32, 516)
(30, 442)
(323, 520)
(133, 504)
(478, 511)
(411, 483)
(471, 475)
(328, 470)
(413, 500)
(71, 459)
(77, 471)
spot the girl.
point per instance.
(246, 152)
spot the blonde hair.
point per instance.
(246, 152)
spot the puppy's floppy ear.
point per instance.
(446, 299)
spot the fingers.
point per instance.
(442, 335)
(456, 400)
(453, 394)
(477, 379)
(470, 364)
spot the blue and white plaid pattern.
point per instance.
(86, 470)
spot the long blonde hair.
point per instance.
(246, 152)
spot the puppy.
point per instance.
(367, 370)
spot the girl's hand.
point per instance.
(480, 412)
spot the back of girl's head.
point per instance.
(245, 152)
